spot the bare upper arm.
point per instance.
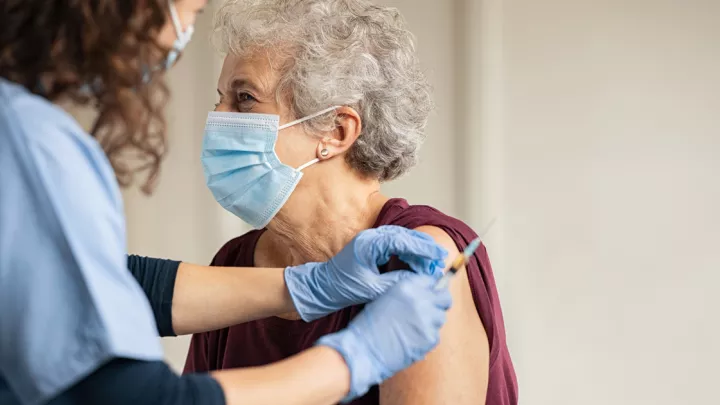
(456, 371)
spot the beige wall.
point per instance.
(591, 128)
(611, 163)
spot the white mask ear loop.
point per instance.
(309, 117)
(183, 36)
(306, 165)
(175, 19)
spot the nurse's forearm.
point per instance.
(208, 298)
(318, 376)
(187, 298)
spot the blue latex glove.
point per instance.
(352, 277)
(391, 333)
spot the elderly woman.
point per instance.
(321, 101)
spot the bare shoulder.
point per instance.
(441, 237)
(455, 372)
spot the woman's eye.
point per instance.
(245, 98)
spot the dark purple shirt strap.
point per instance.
(157, 279)
(133, 382)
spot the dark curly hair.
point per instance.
(95, 52)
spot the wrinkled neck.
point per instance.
(320, 219)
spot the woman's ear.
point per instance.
(348, 128)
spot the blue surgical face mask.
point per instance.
(183, 37)
(241, 168)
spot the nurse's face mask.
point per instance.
(241, 168)
(183, 37)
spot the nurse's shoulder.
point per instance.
(33, 130)
(69, 302)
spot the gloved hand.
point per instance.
(352, 277)
(391, 333)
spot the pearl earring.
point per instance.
(324, 152)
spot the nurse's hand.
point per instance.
(352, 277)
(398, 329)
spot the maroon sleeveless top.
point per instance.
(269, 340)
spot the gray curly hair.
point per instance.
(340, 52)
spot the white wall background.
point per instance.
(612, 152)
(592, 129)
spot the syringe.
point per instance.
(462, 259)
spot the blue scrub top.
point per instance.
(68, 303)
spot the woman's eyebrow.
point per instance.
(240, 83)
(244, 83)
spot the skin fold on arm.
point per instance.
(456, 371)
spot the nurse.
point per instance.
(76, 327)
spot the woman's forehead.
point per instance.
(255, 68)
